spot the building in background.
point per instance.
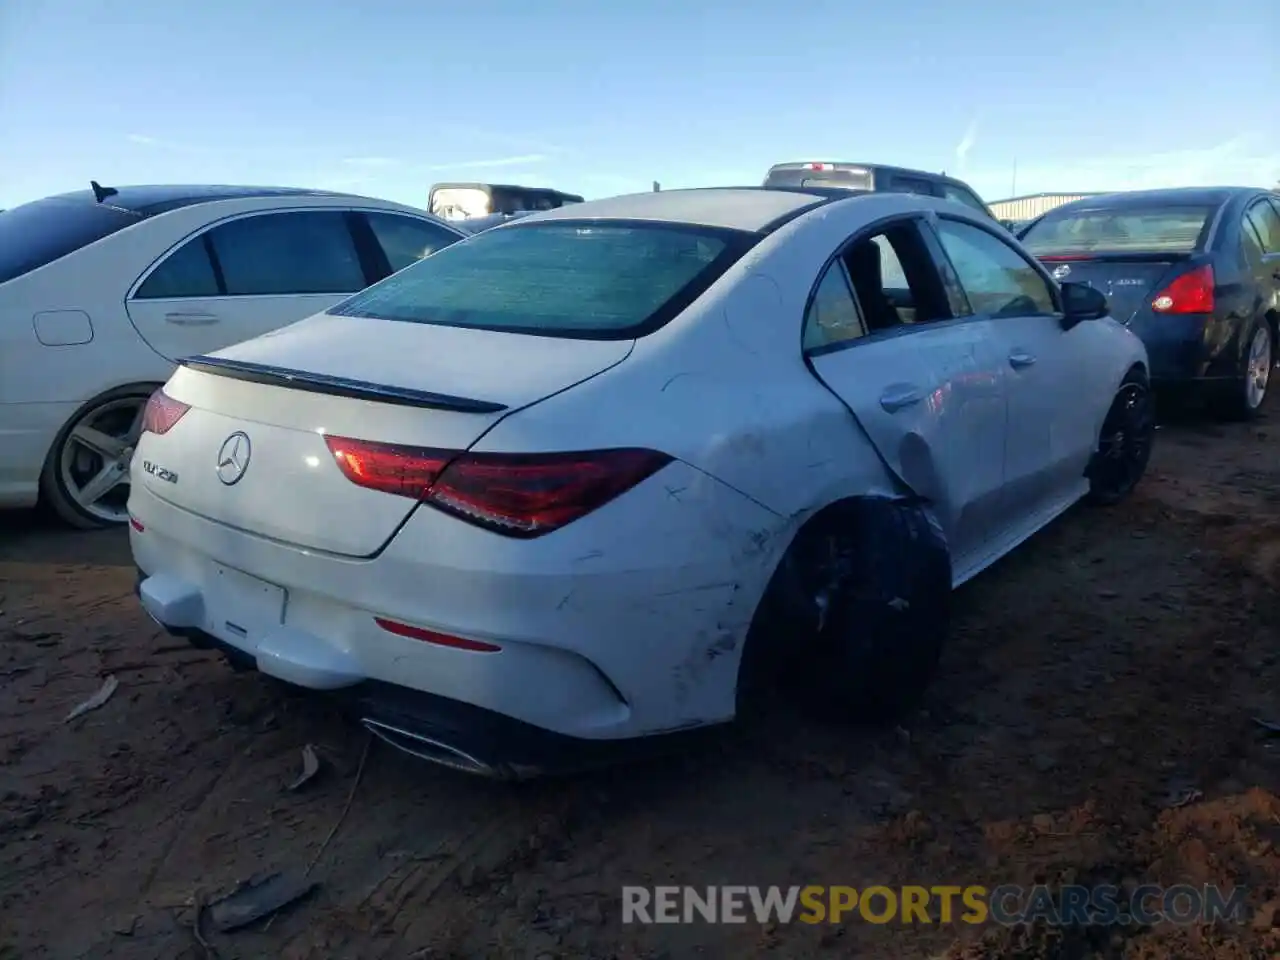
(1033, 205)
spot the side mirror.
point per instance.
(1082, 302)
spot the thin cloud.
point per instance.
(139, 138)
(497, 162)
(966, 143)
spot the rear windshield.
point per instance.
(1171, 229)
(45, 230)
(850, 179)
(588, 280)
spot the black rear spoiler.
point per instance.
(336, 386)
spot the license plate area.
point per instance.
(240, 608)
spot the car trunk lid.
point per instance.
(1130, 280)
(251, 450)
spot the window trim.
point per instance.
(207, 228)
(1055, 291)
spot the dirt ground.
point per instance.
(1093, 722)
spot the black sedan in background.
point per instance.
(1194, 272)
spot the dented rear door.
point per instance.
(931, 399)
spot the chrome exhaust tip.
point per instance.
(433, 751)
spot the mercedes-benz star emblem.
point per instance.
(1060, 272)
(233, 457)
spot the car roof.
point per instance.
(752, 209)
(1200, 196)
(149, 200)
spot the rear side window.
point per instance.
(924, 188)
(589, 280)
(1267, 222)
(47, 230)
(1165, 229)
(407, 240)
(187, 272)
(297, 252)
(832, 316)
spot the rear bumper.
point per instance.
(1185, 350)
(628, 623)
(460, 735)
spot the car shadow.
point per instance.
(36, 537)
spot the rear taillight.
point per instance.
(162, 413)
(1190, 293)
(389, 467)
(516, 494)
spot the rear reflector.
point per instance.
(516, 494)
(431, 636)
(1190, 293)
(162, 412)
(136, 524)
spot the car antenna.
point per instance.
(100, 193)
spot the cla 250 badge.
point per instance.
(159, 472)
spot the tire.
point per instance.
(1124, 443)
(1247, 395)
(876, 579)
(95, 445)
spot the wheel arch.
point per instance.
(46, 495)
(786, 608)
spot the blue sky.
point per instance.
(604, 96)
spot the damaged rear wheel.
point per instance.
(860, 610)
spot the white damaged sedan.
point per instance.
(553, 490)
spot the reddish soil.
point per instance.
(1093, 722)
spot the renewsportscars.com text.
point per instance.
(1007, 905)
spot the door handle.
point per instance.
(191, 319)
(1019, 359)
(899, 396)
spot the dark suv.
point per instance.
(876, 177)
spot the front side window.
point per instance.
(997, 280)
(294, 252)
(187, 272)
(832, 316)
(591, 280)
(407, 240)
(1148, 229)
(40, 232)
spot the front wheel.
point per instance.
(1124, 445)
(86, 475)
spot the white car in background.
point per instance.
(542, 495)
(103, 290)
